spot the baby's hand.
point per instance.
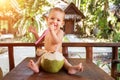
(51, 27)
(32, 29)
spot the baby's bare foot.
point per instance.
(75, 69)
(33, 66)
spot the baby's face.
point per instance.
(55, 19)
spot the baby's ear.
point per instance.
(46, 18)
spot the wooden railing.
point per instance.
(88, 47)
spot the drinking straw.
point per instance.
(42, 36)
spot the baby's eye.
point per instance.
(58, 20)
(52, 18)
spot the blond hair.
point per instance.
(57, 9)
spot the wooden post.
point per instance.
(11, 57)
(114, 65)
(65, 51)
(1, 74)
(89, 53)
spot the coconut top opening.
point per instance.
(53, 56)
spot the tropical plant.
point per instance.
(96, 13)
(116, 37)
(31, 12)
(97, 16)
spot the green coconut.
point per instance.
(52, 62)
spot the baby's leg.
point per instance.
(73, 69)
(33, 66)
(76, 68)
(40, 52)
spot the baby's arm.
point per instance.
(41, 38)
(33, 30)
(56, 34)
(57, 37)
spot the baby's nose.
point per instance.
(55, 24)
(55, 20)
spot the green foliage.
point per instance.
(117, 26)
(116, 37)
(31, 15)
(98, 16)
(98, 62)
(116, 2)
(65, 39)
(29, 37)
(96, 13)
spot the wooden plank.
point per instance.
(91, 72)
(70, 44)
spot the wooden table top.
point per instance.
(91, 72)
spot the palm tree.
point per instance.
(31, 12)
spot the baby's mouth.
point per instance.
(55, 25)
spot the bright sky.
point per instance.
(4, 4)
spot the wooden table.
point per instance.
(91, 72)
